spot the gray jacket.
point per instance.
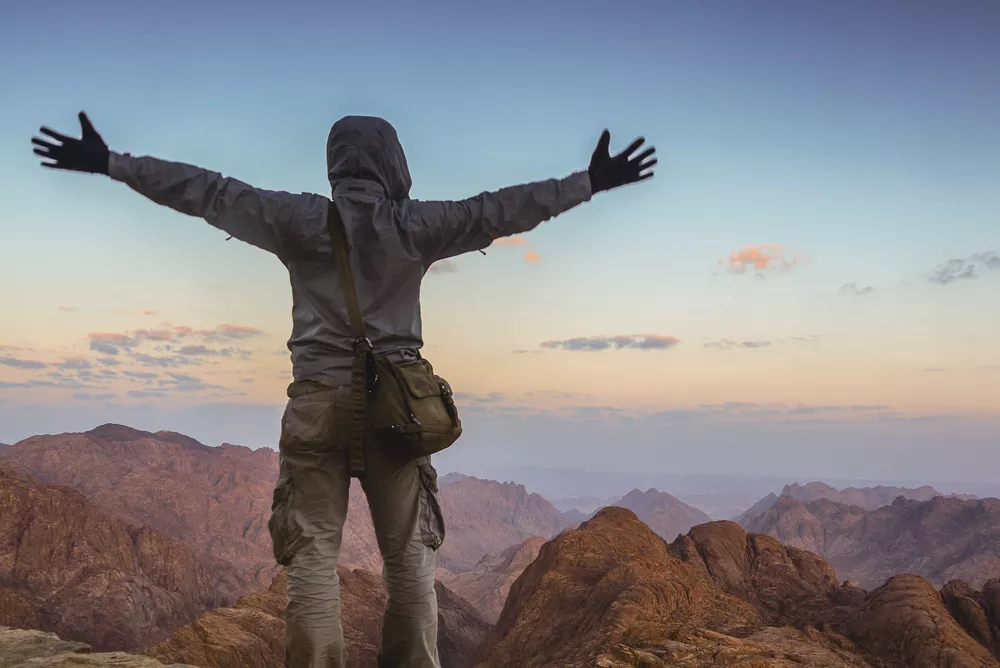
(393, 239)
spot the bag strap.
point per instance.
(363, 361)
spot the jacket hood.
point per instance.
(366, 147)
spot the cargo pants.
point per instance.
(307, 519)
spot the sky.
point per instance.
(807, 287)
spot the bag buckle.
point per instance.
(362, 343)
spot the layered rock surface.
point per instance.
(612, 593)
(65, 566)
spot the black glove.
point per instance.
(607, 172)
(87, 154)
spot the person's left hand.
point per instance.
(87, 154)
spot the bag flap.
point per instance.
(420, 380)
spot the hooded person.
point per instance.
(392, 241)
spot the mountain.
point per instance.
(941, 539)
(251, 634)
(449, 478)
(612, 593)
(218, 499)
(215, 499)
(664, 514)
(71, 569)
(757, 509)
(574, 516)
(486, 517)
(486, 586)
(868, 498)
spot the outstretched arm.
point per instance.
(445, 229)
(249, 214)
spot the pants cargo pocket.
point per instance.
(431, 518)
(285, 533)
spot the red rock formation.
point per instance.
(218, 499)
(613, 594)
(941, 539)
(486, 586)
(251, 634)
(67, 567)
(905, 623)
(486, 517)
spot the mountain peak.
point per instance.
(118, 432)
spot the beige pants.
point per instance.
(308, 512)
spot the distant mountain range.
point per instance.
(157, 543)
(941, 539)
(868, 498)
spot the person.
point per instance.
(392, 242)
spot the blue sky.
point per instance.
(832, 143)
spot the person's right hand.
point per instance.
(87, 154)
(608, 172)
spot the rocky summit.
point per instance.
(614, 594)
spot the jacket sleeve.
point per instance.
(444, 229)
(255, 216)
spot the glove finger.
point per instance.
(45, 153)
(647, 165)
(632, 147)
(88, 127)
(55, 135)
(645, 154)
(58, 165)
(38, 141)
(603, 144)
(85, 124)
(643, 177)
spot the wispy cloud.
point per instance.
(237, 331)
(74, 363)
(729, 344)
(726, 344)
(114, 343)
(957, 269)
(599, 343)
(67, 309)
(759, 260)
(16, 363)
(444, 267)
(856, 290)
(86, 396)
